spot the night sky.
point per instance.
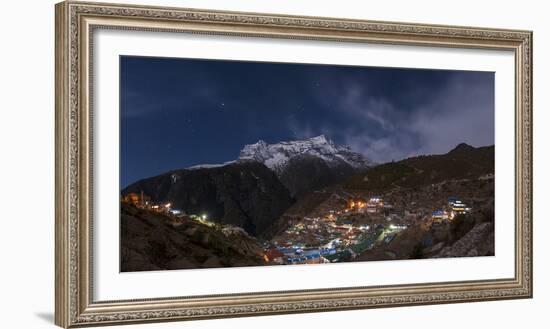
(177, 113)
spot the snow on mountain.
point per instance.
(208, 165)
(276, 156)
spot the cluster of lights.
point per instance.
(357, 204)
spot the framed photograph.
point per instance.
(218, 164)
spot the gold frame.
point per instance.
(75, 23)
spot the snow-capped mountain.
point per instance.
(302, 166)
(277, 156)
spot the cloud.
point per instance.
(431, 122)
(368, 108)
(462, 112)
(380, 150)
(386, 114)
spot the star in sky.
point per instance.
(428, 111)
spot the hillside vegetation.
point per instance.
(154, 241)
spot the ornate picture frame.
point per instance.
(75, 24)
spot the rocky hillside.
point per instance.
(479, 241)
(306, 173)
(463, 162)
(153, 241)
(247, 194)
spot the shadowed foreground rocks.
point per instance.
(153, 241)
(479, 241)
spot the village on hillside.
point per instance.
(339, 230)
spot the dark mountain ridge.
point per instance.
(248, 194)
(462, 162)
(245, 194)
(307, 173)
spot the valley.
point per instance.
(311, 202)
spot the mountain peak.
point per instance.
(321, 139)
(277, 155)
(462, 147)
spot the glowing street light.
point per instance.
(204, 217)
